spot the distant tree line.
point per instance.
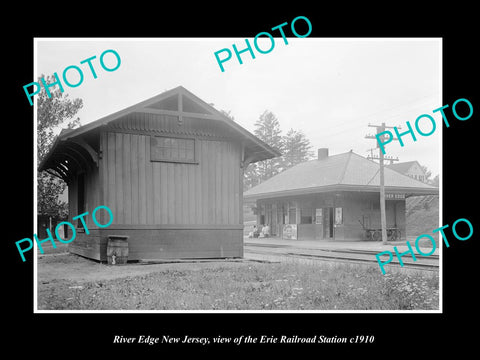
(294, 146)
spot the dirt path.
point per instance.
(65, 266)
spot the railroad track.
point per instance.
(357, 256)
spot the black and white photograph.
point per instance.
(231, 183)
(255, 189)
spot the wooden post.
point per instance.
(297, 213)
(243, 166)
(383, 217)
(259, 213)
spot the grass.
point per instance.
(422, 218)
(249, 286)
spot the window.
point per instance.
(306, 220)
(306, 216)
(172, 149)
(338, 216)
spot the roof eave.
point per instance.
(342, 187)
(268, 151)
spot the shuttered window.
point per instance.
(170, 149)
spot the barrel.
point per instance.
(117, 249)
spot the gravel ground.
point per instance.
(65, 266)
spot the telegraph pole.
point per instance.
(383, 217)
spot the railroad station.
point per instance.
(334, 197)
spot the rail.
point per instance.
(343, 255)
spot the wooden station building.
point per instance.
(171, 170)
(333, 198)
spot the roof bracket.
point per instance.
(87, 147)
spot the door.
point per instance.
(328, 219)
(319, 235)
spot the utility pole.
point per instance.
(383, 217)
(385, 157)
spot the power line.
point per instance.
(392, 116)
(417, 102)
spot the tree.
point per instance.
(427, 172)
(268, 130)
(296, 148)
(294, 145)
(48, 190)
(251, 176)
(52, 112)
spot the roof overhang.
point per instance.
(257, 149)
(68, 157)
(70, 153)
(408, 191)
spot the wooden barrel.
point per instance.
(117, 249)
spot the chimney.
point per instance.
(322, 153)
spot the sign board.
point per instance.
(391, 196)
(289, 232)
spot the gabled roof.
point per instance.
(347, 171)
(403, 167)
(176, 102)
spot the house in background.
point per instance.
(170, 169)
(333, 198)
(410, 168)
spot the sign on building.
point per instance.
(391, 196)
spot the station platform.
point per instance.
(376, 246)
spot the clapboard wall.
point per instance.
(168, 209)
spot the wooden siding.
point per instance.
(163, 243)
(157, 124)
(142, 192)
(168, 209)
(357, 207)
(92, 196)
(184, 243)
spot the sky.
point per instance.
(329, 88)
